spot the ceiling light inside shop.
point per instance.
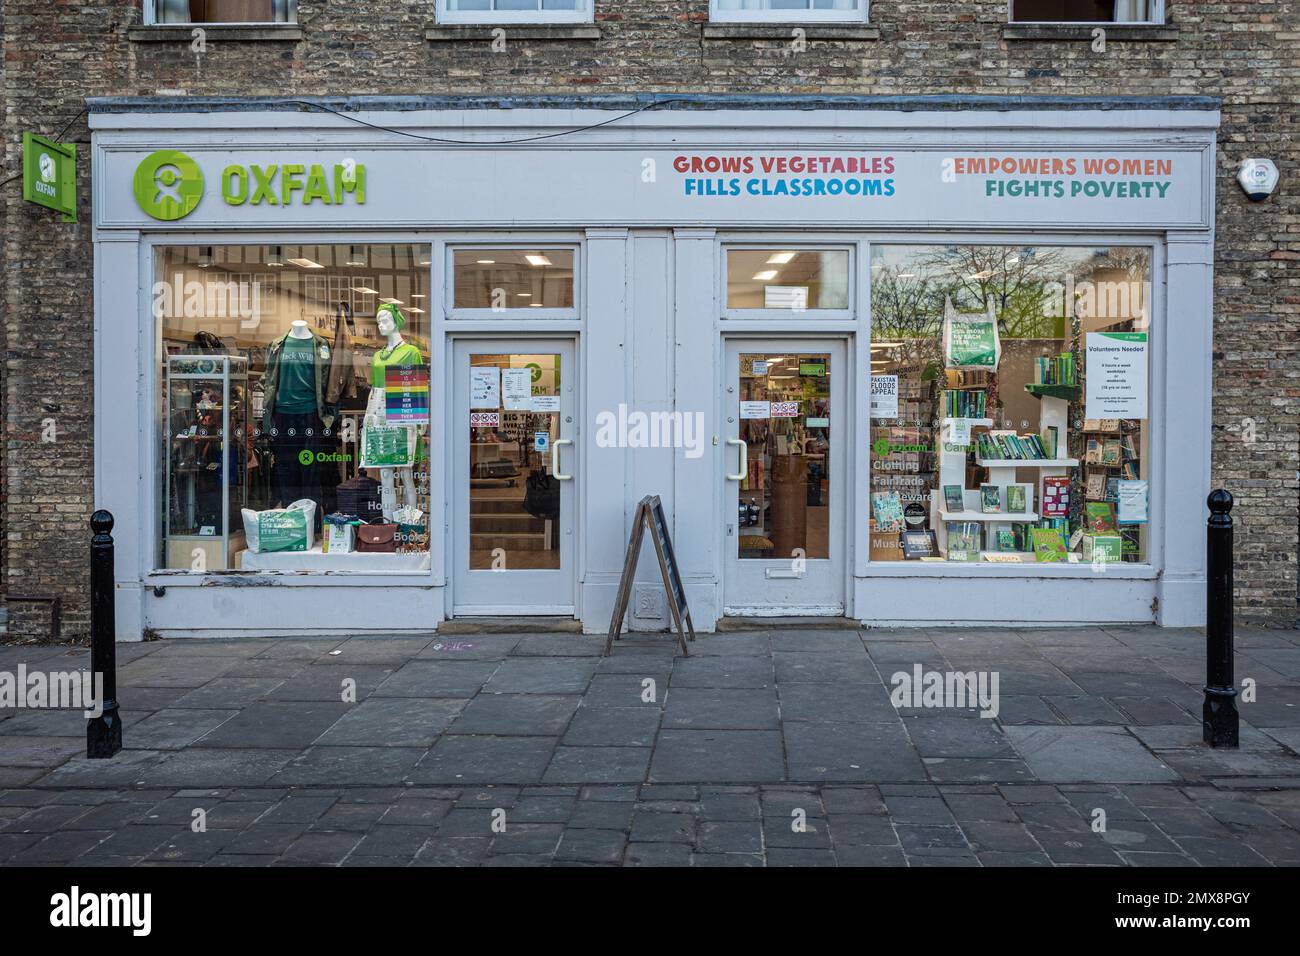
(538, 260)
(767, 275)
(356, 256)
(276, 258)
(524, 295)
(780, 259)
(486, 262)
(365, 290)
(414, 311)
(306, 264)
(392, 301)
(417, 295)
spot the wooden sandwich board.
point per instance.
(650, 515)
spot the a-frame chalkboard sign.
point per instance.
(650, 514)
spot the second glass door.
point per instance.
(784, 527)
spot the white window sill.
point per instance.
(238, 32)
(1127, 32)
(985, 569)
(782, 31)
(483, 32)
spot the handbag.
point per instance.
(542, 497)
(377, 539)
(360, 497)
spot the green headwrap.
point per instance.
(399, 320)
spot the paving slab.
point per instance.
(730, 756)
(1078, 754)
(485, 759)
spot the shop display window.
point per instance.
(510, 279)
(294, 407)
(1010, 413)
(793, 280)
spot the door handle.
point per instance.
(744, 460)
(555, 459)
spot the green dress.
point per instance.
(404, 354)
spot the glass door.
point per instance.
(514, 429)
(784, 522)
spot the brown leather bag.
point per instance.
(377, 538)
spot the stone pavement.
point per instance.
(769, 747)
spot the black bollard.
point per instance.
(103, 733)
(1219, 720)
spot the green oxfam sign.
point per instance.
(168, 185)
(50, 174)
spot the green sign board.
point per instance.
(50, 174)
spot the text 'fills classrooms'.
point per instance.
(721, 175)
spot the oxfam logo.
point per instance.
(168, 185)
(883, 447)
(306, 457)
(46, 164)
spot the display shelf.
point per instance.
(1008, 517)
(1027, 462)
(1069, 393)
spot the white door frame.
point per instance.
(560, 587)
(829, 575)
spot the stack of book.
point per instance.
(963, 404)
(1056, 371)
(1004, 445)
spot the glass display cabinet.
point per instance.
(207, 444)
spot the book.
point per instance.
(1093, 453)
(1099, 517)
(963, 540)
(1056, 496)
(1052, 441)
(1096, 487)
(1007, 540)
(1110, 452)
(1048, 544)
(1016, 503)
(990, 499)
(888, 511)
(954, 497)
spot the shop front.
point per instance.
(367, 369)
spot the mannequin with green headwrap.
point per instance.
(398, 352)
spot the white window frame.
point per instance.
(585, 13)
(150, 9)
(858, 15)
(1156, 18)
(458, 314)
(794, 320)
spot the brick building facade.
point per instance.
(57, 56)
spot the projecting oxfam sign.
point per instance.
(169, 184)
